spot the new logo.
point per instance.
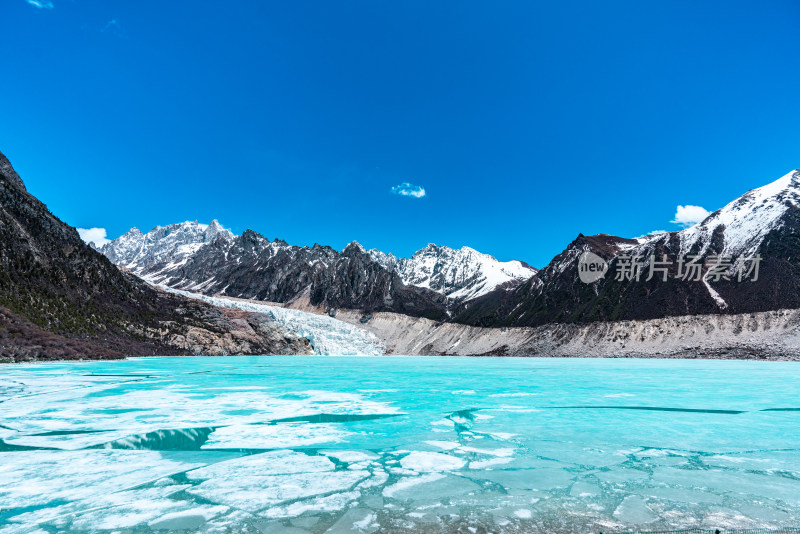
(591, 267)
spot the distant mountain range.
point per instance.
(59, 299)
(209, 259)
(468, 287)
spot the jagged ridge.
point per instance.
(189, 256)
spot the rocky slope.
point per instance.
(61, 299)
(773, 335)
(764, 222)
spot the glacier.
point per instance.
(328, 336)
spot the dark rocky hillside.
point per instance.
(59, 298)
(252, 267)
(764, 222)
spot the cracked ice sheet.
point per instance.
(255, 483)
(268, 463)
(71, 442)
(48, 476)
(732, 482)
(125, 509)
(256, 493)
(166, 407)
(350, 456)
(283, 435)
(431, 461)
(329, 503)
(408, 485)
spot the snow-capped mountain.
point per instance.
(460, 274)
(469, 287)
(763, 223)
(169, 245)
(746, 221)
(210, 259)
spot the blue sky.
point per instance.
(510, 126)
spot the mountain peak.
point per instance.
(746, 220)
(355, 245)
(7, 172)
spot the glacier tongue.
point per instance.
(329, 336)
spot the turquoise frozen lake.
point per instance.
(398, 444)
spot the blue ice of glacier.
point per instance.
(327, 335)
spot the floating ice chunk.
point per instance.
(523, 513)
(40, 477)
(584, 489)
(401, 487)
(444, 445)
(444, 422)
(378, 478)
(148, 503)
(352, 456)
(329, 503)
(255, 493)
(355, 520)
(276, 436)
(447, 487)
(504, 452)
(483, 464)
(268, 463)
(68, 442)
(528, 479)
(431, 461)
(716, 481)
(633, 510)
(187, 519)
(683, 495)
(621, 476)
(502, 436)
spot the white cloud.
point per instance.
(94, 235)
(115, 28)
(41, 4)
(689, 215)
(409, 190)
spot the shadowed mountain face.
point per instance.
(250, 266)
(209, 259)
(59, 298)
(764, 222)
